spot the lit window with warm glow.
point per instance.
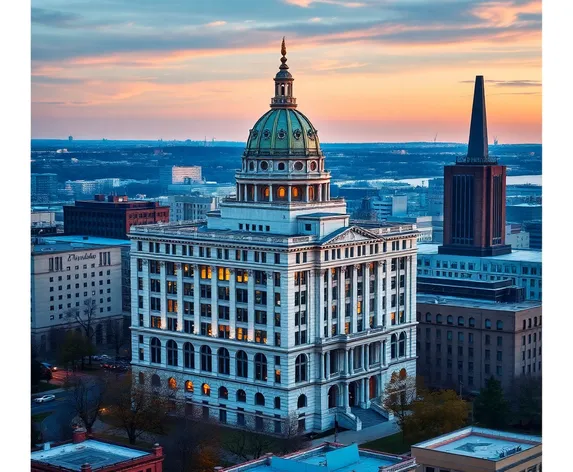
(205, 272)
(281, 192)
(206, 390)
(224, 273)
(359, 307)
(266, 192)
(189, 386)
(311, 193)
(295, 192)
(172, 383)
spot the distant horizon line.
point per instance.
(244, 142)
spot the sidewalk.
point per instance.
(387, 428)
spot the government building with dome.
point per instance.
(279, 310)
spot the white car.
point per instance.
(45, 398)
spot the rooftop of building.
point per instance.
(58, 244)
(116, 201)
(475, 303)
(327, 457)
(532, 205)
(98, 454)
(481, 443)
(199, 230)
(517, 255)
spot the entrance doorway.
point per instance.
(352, 394)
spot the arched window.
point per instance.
(172, 383)
(402, 374)
(535, 321)
(281, 166)
(206, 359)
(223, 360)
(439, 318)
(333, 397)
(155, 351)
(223, 393)
(242, 364)
(259, 399)
(402, 345)
(393, 346)
(266, 192)
(260, 367)
(188, 356)
(189, 386)
(428, 317)
(281, 192)
(301, 402)
(487, 323)
(141, 378)
(461, 321)
(172, 353)
(472, 322)
(251, 165)
(300, 368)
(295, 193)
(241, 396)
(450, 319)
(311, 193)
(206, 390)
(155, 380)
(277, 403)
(499, 325)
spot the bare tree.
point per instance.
(87, 398)
(116, 335)
(193, 439)
(251, 441)
(399, 395)
(138, 409)
(85, 318)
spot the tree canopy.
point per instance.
(491, 409)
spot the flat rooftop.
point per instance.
(481, 443)
(96, 240)
(325, 458)
(56, 244)
(517, 255)
(474, 303)
(96, 453)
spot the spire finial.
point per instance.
(283, 52)
(477, 146)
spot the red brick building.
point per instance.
(85, 454)
(474, 194)
(111, 218)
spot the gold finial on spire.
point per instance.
(283, 47)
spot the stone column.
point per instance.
(366, 296)
(196, 295)
(354, 300)
(307, 196)
(232, 305)
(379, 293)
(319, 196)
(270, 192)
(163, 295)
(289, 194)
(251, 305)
(366, 356)
(145, 295)
(214, 304)
(341, 299)
(319, 302)
(388, 307)
(351, 361)
(270, 309)
(179, 297)
(383, 353)
(345, 395)
(411, 284)
(329, 303)
(245, 193)
(346, 361)
(255, 193)
(322, 373)
(327, 370)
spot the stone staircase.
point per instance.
(368, 417)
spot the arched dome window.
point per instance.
(281, 192)
(311, 193)
(281, 166)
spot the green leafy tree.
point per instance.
(491, 409)
(433, 414)
(74, 348)
(526, 404)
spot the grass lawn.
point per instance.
(41, 416)
(392, 444)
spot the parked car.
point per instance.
(101, 358)
(45, 398)
(53, 368)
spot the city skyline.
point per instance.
(184, 71)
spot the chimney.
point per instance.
(79, 435)
(86, 468)
(157, 450)
(477, 146)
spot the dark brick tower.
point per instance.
(474, 194)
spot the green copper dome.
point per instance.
(283, 131)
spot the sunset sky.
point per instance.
(365, 70)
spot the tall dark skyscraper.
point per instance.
(474, 193)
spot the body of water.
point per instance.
(423, 181)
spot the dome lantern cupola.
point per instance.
(283, 84)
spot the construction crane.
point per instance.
(435, 137)
(495, 141)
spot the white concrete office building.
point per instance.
(278, 308)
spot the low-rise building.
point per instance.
(65, 274)
(462, 342)
(521, 212)
(191, 207)
(179, 174)
(535, 230)
(44, 187)
(475, 449)
(329, 457)
(86, 454)
(522, 267)
(516, 237)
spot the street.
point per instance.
(57, 426)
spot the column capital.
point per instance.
(356, 266)
(231, 271)
(319, 272)
(145, 262)
(178, 265)
(162, 263)
(269, 274)
(250, 273)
